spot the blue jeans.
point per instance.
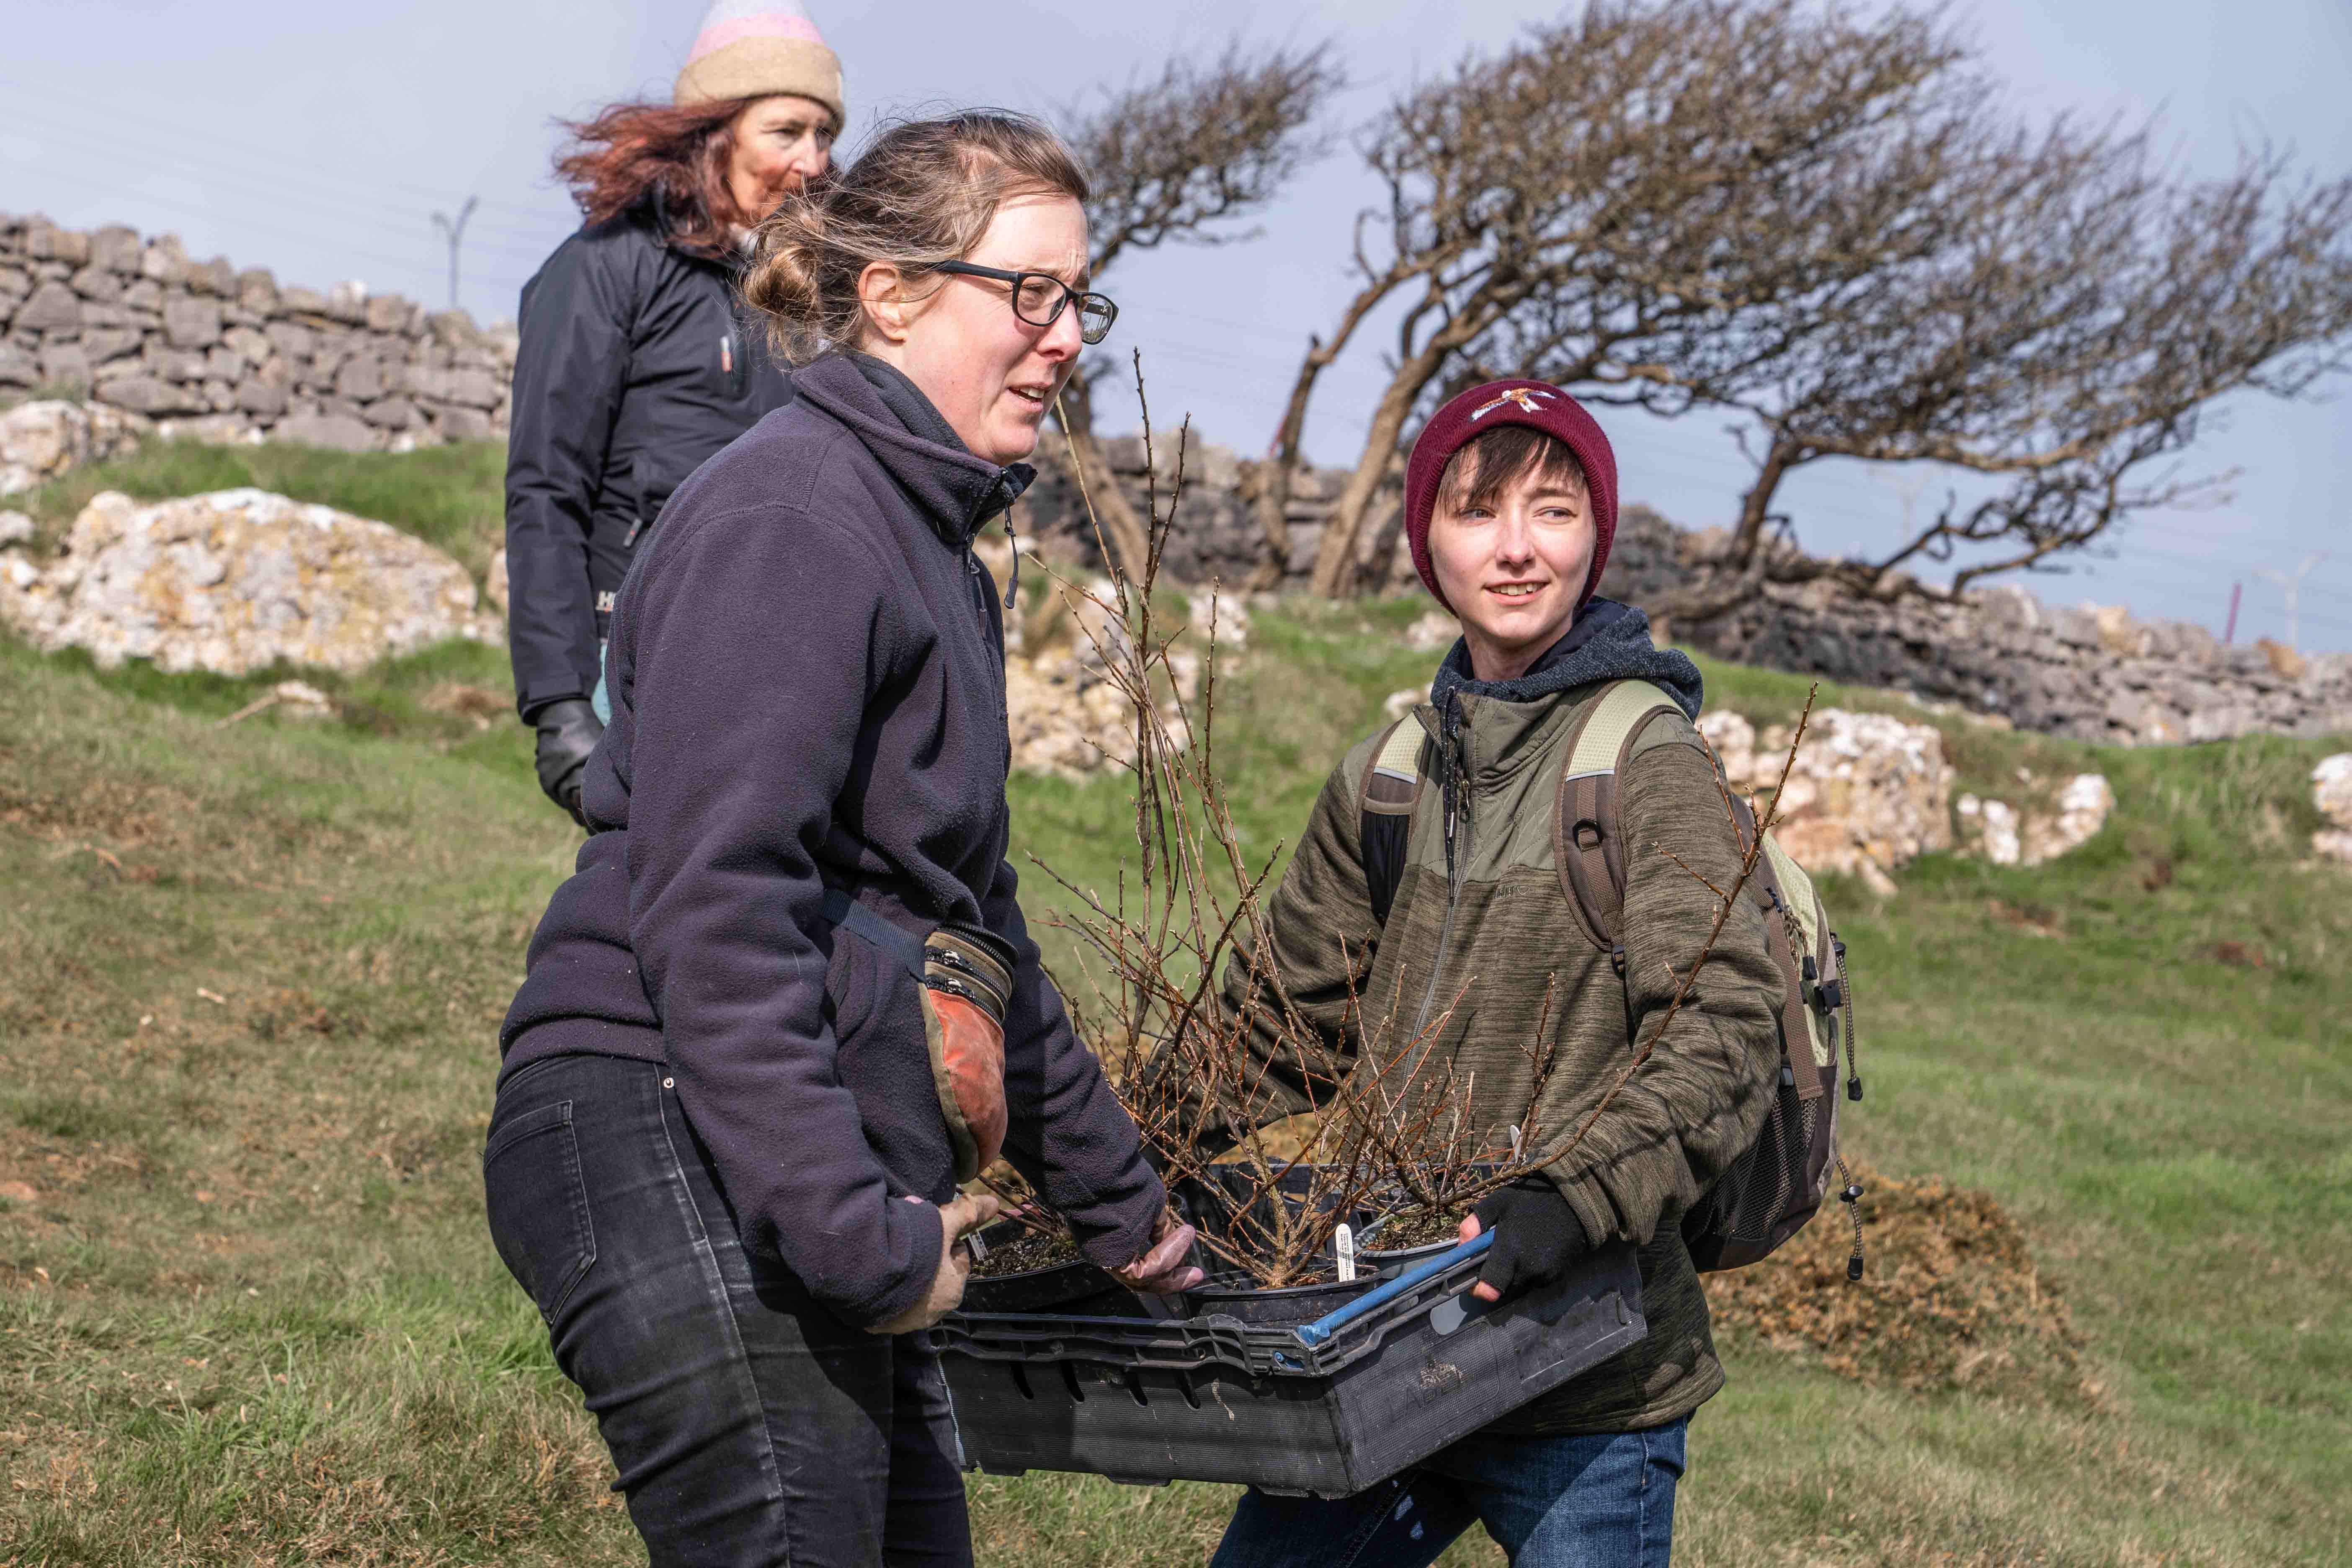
(1603, 1501)
(748, 1425)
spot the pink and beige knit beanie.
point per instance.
(754, 48)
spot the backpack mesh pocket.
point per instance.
(1767, 1193)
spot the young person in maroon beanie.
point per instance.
(1511, 500)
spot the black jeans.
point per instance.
(748, 1425)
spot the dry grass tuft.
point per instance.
(1952, 1299)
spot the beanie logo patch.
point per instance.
(1524, 396)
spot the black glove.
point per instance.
(568, 731)
(1538, 1237)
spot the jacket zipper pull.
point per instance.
(1013, 588)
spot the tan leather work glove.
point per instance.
(966, 1213)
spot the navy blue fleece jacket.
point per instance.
(808, 696)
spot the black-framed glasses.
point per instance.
(1040, 298)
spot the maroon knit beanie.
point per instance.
(1534, 403)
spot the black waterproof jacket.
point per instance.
(807, 681)
(635, 364)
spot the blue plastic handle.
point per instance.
(1323, 1328)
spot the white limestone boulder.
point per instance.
(1867, 792)
(2331, 792)
(1997, 831)
(235, 581)
(41, 440)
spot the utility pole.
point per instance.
(2292, 586)
(2230, 632)
(456, 236)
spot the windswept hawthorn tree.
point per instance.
(1643, 166)
(1184, 158)
(1827, 222)
(2056, 358)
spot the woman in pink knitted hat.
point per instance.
(634, 366)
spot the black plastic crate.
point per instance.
(1323, 1408)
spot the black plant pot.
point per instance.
(1075, 1285)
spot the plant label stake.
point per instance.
(1343, 1246)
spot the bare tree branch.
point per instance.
(1184, 158)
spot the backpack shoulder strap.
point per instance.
(1384, 811)
(1587, 846)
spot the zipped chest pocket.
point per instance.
(652, 492)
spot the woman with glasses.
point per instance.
(788, 1005)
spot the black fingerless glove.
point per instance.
(1538, 1237)
(568, 731)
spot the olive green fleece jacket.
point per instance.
(1474, 959)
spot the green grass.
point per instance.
(451, 497)
(250, 1314)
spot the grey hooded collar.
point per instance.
(1609, 641)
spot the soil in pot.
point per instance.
(1022, 1252)
(1414, 1231)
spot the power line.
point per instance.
(183, 132)
(342, 209)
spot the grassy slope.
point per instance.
(252, 1315)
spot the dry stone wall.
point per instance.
(1217, 537)
(204, 350)
(2094, 672)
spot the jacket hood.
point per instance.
(956, 491)
(1609, 641)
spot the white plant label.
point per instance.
(1343, 1243)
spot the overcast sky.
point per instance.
(320, 140)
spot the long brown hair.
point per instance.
(631, 150)
(924, 191)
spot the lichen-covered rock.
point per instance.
(494, 582)
(1223, 617)
(300, 700)
(1997, 831)
(1065, 718)
(235, 581)
(2331, 792)
(40, 441)
(1065, 714)
(1866, 794)
(1436, 629)
(1989, 830)
(2083, 807)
